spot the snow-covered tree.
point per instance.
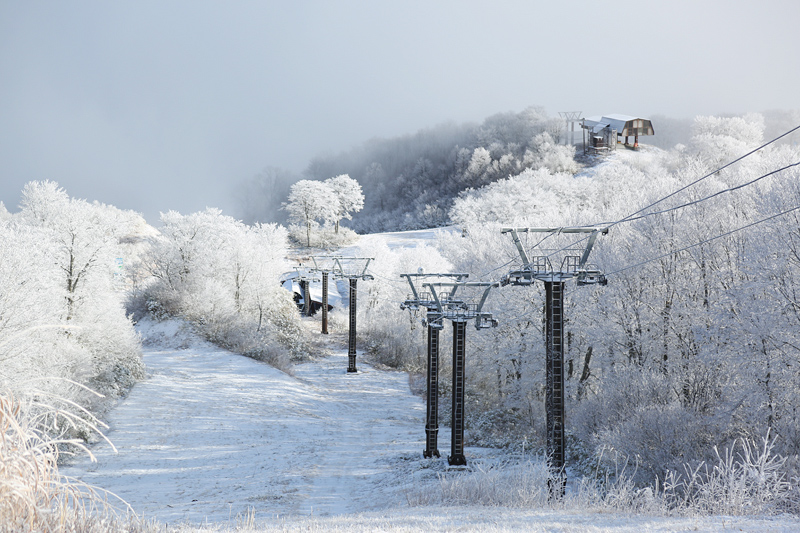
(311, 201)
(63, 317)
(349, 195)
(223, 276)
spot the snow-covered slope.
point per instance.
(210, 436)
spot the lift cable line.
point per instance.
(539, 268)
(707, 240)
(709, 197)
(443, 300)
(698, 180)
(633, 216)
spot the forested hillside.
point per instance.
(410, 182)
(693, 343)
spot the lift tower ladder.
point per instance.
(459, 310)
(574, 265)
(433, 320)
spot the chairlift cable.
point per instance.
(633, 216)
(705, 241)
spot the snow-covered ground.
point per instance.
(210, 436)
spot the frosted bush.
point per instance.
(322, 236)
(223, 277)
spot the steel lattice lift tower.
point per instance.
(539, 268)
(434, 321)
(446, 304)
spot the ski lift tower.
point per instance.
(447, 304)
(352, 269)
(324, 265)
(434, 320)
(304, 277)
(574, 265)
(571, 118)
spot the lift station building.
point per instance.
(604, 133)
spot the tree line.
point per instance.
(688, 351)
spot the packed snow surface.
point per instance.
(210, 435)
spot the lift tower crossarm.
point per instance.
(542, 270)
(416, 298)
(458, 310)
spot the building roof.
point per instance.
(616, 121)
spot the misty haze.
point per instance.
(508, 266)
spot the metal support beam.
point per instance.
(325, 303)
(457, 426)
(351, 346)
(432, 420)
(554, 396)
(304, 284)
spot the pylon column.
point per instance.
(325, 303)
(554, 398)
(351, 346)
(306, 297)
(432, 421)
(457, 427)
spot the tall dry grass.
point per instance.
(34, 496)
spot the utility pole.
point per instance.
(448, 305)
(433, 319)
(539, 268)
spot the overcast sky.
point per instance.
(158, 105)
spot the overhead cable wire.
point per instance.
(705, 241)
(710, 196)
(698, 180)
(633, 216)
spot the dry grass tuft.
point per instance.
(33, 495)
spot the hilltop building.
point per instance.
(604, 133)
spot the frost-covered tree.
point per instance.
(312, 201)
(349, 196)
(64, 319)
(223, 276)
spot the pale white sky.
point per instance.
(154, 105)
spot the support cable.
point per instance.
(706, 241)
(633, 216)
(698, 180)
